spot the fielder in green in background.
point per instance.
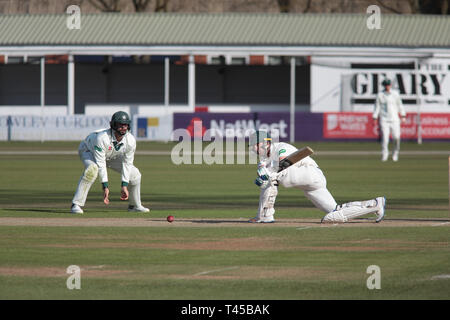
(388, 107)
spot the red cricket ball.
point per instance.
(170, 218)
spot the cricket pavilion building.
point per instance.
(254, 65)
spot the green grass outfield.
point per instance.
(209, 251)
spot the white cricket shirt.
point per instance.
(105, 147)
(388, 106)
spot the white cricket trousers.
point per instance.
(311, 180)
(389, 128)
(90, 174)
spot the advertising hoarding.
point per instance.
(351, 84)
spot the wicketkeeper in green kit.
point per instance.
(113, 148)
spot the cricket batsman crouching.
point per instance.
(304, 175)
(113, 148)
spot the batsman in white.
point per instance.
(388, 106)
(304, 175)
(114, 148)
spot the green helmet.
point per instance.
(120, 117)
(259, 136)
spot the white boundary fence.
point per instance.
(157, 127)
(37, 128)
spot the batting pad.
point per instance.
(85, 183)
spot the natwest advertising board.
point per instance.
(353, 125)
(238, 125)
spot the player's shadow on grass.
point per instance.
(245, 221)
(38, 210)
(43, 210)
(418, 219)
(206, 221)
(189, 201)
(30, 197)
(216, 221)
(311, 221)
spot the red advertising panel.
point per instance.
(360, 125)
(349, 125)
(409, 128)
(435, 125)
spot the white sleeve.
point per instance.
(100, 157)
(285, 150)
(128, 160)
(376, 112)
(401, 110)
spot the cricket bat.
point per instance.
(294, 158)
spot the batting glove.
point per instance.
(263, 173)
(262, 181)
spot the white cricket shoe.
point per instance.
(259, 220)
(381, 203)
(138, 209)
(76, 208)
(395, 157)
(384, 158)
